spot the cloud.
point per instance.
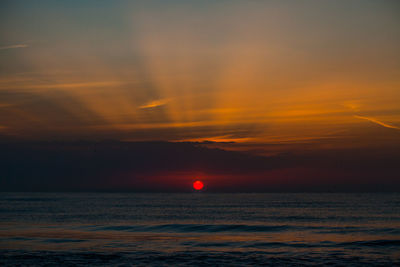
(354, 105)
(155, 103)
(14, 46)
(377, 122)
(5, 105)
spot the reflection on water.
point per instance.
(190, 229)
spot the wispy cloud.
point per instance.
(354, 105)
(13, 46)
(377, 122)
(5, 105)
(155, 103)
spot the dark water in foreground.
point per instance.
(199, 229)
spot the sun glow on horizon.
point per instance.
(198, 185)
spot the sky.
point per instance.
(309, 90)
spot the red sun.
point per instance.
(198, 185)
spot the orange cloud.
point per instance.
(155, 103)
(377, 122)
(14, 46)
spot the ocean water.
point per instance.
(115, 229)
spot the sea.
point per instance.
(199, 229)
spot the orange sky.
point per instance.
(250, 72)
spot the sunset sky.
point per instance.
(270, 79)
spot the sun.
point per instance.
(198, 185)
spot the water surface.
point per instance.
(194, 229)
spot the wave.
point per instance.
(360, 244)
(245, 228)
(358, 230)
(202, 228)
(186, 258)
(62, 240)
(373, 243)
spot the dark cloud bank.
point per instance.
(171, 167)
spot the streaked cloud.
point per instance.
(218, 139)
(5, 105)
(154, 103)
(353, 105)
(377, 122)
(14, 46)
